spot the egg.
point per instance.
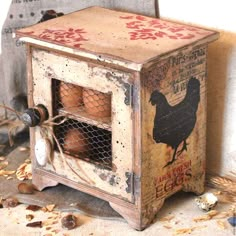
(96, 103)
(75, 141)
(70, 95)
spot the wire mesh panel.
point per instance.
(76, 98)
(86, 142)
(82, 139)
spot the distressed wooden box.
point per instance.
(149, 141)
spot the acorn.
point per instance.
(69, 222)
(70, 95)
(96, 103)
(26, 188)
(10, 202)
(75, 141)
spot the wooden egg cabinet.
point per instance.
(133, 91)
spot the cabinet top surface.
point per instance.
(116, 35)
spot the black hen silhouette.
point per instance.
(174, 124)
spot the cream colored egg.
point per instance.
(70, 95)
(96, 103)
(75, 141)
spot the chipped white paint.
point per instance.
(129, 65)
(47, 66)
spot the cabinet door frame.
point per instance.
(47, 66)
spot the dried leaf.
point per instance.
(212, 213)
(9, 178)
(222, 215)
(6, 172)
(49, 222)
(29, 217)
(50, 207)
(52, 217)
(221, 224)
(184, 230)
(36, 224)
(24, 171)
(33, 208)
(202, 218)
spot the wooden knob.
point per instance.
(34, 116)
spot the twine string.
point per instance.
(45, 131)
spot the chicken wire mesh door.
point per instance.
(80, 139)
(96, 139)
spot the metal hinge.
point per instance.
(128, 94)
(132, 182)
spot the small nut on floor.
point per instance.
(10, 202)
(69, 222)
(26, 188)
(207, 201)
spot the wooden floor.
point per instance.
(180, 211)
(175, 218)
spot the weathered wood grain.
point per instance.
(146, 168)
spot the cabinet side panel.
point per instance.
(173, 127)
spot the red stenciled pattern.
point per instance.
(70, 36)
(144, 28)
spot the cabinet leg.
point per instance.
(132, 216)
(196, 184)
(40, 182)
(149, 211)
(136, 219)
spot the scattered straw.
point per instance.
(222, 183)
(221, 224)
(167, 218)
(46, 131)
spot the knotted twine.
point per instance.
(45, 131)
